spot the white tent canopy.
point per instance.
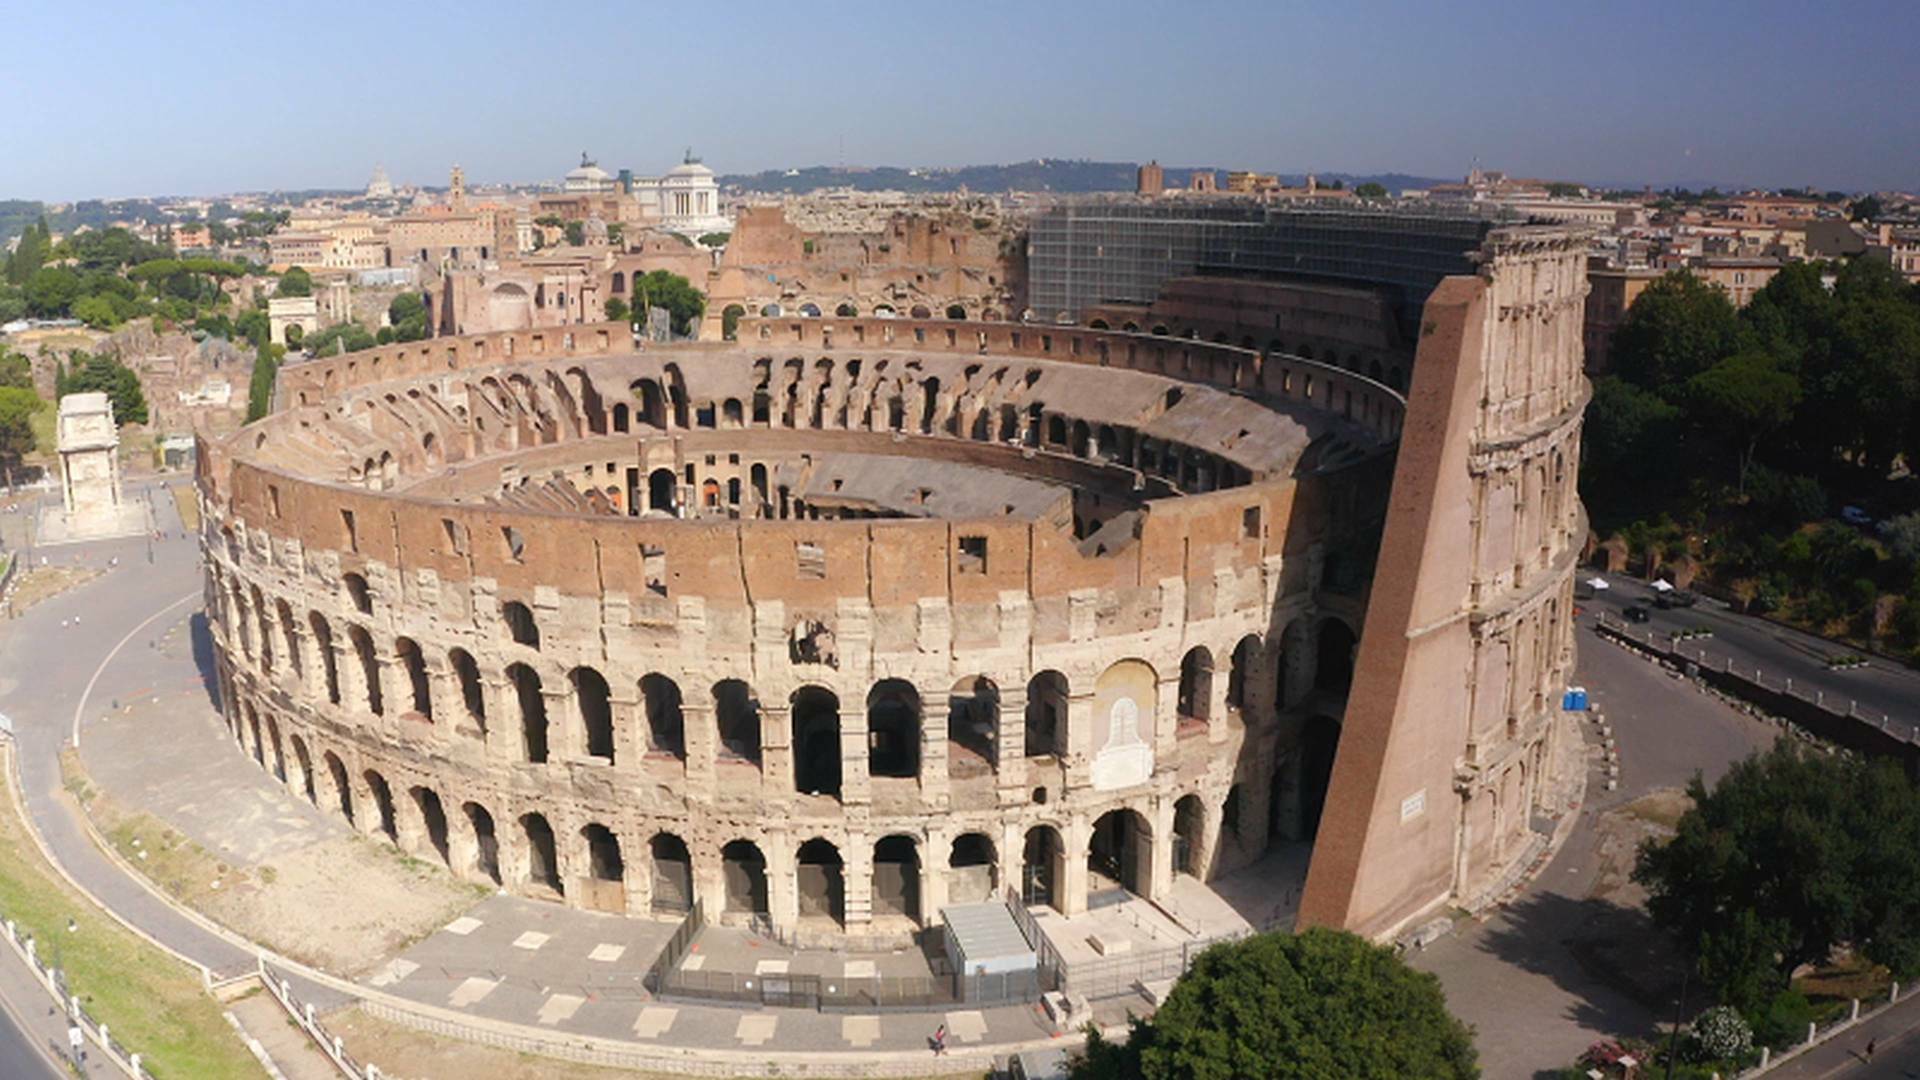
(1598, 584)
(1663, 586)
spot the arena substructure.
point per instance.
(853, 619)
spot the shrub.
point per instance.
(1784, 1021)
(1719, 1034)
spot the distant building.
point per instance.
(1611, 290)
(192, 238)
(1251, 183)
(379, 187)
(285, 311)
(589, 179)
(1152, 180)
(1203, 181)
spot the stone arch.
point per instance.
(666, 717)
(1046, 716)
(433, 817)
(521, 626)
(605, 879)
(329, 662)
(472, 693)
(486, 842)
(1195, 701)
(369, 667)
(896, 877)
(893, 729)
(672, 874)
(543, 856)
(1124, 723)
(846, 310)
(304, 761)
(357, 592)
(956, 311)
(816, 741)
(1120, 853)
(342, 787)
(1043, 868)
(973, 727)
(661, 488)
(973, 869)
(1334, 657)
(1190, 853)
(533, 712)
(736, 713)
(388, 822)
(1246, 658)
(821, 879)
(593, 708)
(743, 872)
(407, 651)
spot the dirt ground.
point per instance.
(339, 902)
(44, 582)
(1620, 944)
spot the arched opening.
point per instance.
(622, 418)
(1245, 656)
(358, 593)
(305, 763)
(329, 665)
(822, 882)
(520, 624)
(1082, 438)
(1046, 718)
(896, 877)
(1119, 855)
(369, 668)
(433, 816)
(1097, 324)
(893, 729)
(279, 754)
(259, 742)
(290, 633)
(666, 721)
(956, 311)
(744, 870)
(737, 714)
(1333, 667)
(606, 869)
(543, 859)
(660, 488)
(1319, 743)
(533, 712)
(816, 741)
(973, 727)
(594, 708)
(1196, 685)
(1190, 837)
(383, 801)
(672, 874)
(810, 310)
(415, 666)
(486, 843)
(467, 670)
(973, 871)
(846, 310)
(1042, 868)
(920, 311)
(342, 788)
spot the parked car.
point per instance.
(1636, 613)
(1675, 599)
(1855, 516)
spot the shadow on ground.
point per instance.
(203, 656)
(1622, 972)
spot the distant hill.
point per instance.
(1046, 174)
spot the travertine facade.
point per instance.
(855, 617)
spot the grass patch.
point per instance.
(45, 420)
(154, 1004)
(187, 503)
(1843, 981)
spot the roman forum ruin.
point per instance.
(852, 618)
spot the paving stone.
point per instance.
(756, 1028)
(860, 1032)
(560, 1007)
(471, 991)
(532, 939)
(653, 1021)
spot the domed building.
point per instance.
(686, 200)
(588, 179)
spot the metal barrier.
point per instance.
(303, 1017)
(79, 1020)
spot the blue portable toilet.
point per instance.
(1575, 699)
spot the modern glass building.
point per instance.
(1120, 251)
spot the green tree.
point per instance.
(339, 338)
(659, 288)
(15, 370)
(1371, 190)
(1678, 327)
(1320, 1004)
(616, 308)
(576, 233)
(1746, 397)
(17, 408)
(109, 376)
(1793, 853)
(730, 321)
(1866, 209)
(30, 253)
(266, 365)
(715, 239)
(51, 291)
(97, 312)
(407, 317)
(295, 282)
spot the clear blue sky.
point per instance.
(113, 99)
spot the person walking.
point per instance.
(939, 1040)
(1870, 1046)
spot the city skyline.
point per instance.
(1633, 95)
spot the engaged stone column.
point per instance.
(856, 867)
(776, 753)
(702, 742)
(1079, 738)
(856, 785)
(1070, 880)
(783, 888)
(935, 713)
(1010, 746)
(1157, 850)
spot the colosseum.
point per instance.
(851, 619)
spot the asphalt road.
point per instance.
(1881, 688)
